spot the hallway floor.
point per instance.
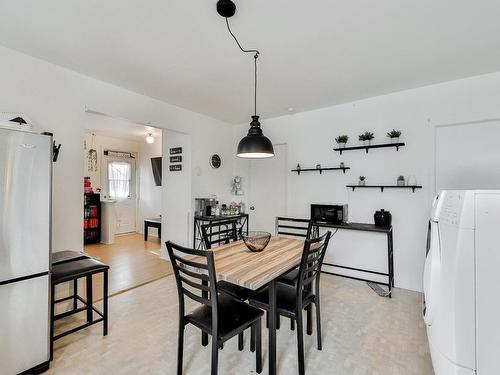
(133, 262)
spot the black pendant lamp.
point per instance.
(255, 145)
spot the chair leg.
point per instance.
(277, 320)
(241, 337)
(215, 356)
(90, 298)
(252, 338)
(292, 324)
(309, 328)
(258, 343)
(318, 323)
(52, 299)
(180, 348)
(75, 294)
(105, 304)
(300, 342)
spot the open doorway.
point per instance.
(123, 199)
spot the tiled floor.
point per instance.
(363, 334)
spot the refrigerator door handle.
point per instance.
(6, 282)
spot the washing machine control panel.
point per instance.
(452, 207)
(456, 207)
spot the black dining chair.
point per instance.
(220, 316)
(291, 301)
(297, 228)
(301, 229)
(220, 233)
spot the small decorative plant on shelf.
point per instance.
(394, 135)
(362, 181)
(366, 138)
(401, 181)
(342, 140)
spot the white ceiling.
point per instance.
(118, 128)
(314, 53)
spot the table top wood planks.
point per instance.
(236, 264)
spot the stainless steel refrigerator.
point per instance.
(25, 225)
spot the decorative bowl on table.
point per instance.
(256, 241)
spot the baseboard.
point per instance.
(37, 369)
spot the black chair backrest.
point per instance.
(219, 233)
(289, 226)
(311, 262)
(193, 277)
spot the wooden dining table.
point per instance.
(236, 264)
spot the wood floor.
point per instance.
(133, 262)
(363, 334)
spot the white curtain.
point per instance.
(119, 175)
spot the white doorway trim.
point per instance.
(178, 227)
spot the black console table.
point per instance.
(242, 222)
(155, 223)
(366, 228)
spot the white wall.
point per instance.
(310, 138)
(177, 219)
(56, 98)
(476, 146)
(149, 195)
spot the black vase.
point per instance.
(382, 218)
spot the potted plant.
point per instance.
(401, 181)
(366, 138)
(362, 181)
(342, 140)
(394, 135)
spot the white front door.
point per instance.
(120, 185)
(267, 195)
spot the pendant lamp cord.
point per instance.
(255, 57)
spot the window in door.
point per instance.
(119, 179)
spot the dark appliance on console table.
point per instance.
(329, 213)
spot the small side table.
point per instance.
(155, 223)
(367, 228)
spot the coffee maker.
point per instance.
(203, 206)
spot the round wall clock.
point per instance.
(215, 161)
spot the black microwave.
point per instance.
(329, 213)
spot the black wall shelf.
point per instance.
(384, 145)
(320, 170)
(382, 187)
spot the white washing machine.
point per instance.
(462, 283)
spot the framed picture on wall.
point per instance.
(176, 159)
(175, 167)
(175, 150)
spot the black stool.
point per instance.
(73, 271)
